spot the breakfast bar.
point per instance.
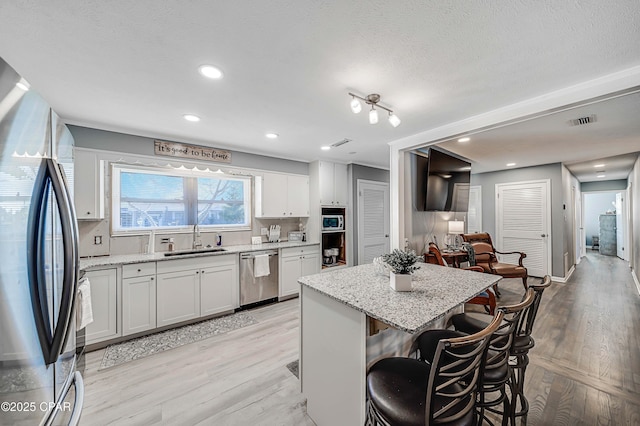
(349, 316)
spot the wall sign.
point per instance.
(175, 149)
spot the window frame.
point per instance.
(190, 198)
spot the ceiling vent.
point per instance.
(583, 120)
(342, 142)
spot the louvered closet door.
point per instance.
(523, 216)
(373, 220)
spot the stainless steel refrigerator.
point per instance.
(39, 384)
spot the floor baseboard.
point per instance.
(564, 279)
(635, 279)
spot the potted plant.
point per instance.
(402, 264)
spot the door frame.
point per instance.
(547, 231)
(626, 218)
(387, 207)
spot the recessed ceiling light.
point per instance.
(210, 71)
(511, 164)
(601, 176)
(325, 148)
(464, 139)
(599, 165)
(191, 117)
(23, 85)
(272, 135)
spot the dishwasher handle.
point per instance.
(253, 254)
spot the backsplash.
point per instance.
(132, 244)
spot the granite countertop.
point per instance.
(93, 262)
(436, 290)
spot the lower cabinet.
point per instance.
(297, 262)
(178, 296)
(138, 298)
(103, 285)
(196, 287)
(219, 287)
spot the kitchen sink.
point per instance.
(194, 251)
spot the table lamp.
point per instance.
(456, 227)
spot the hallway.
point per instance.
(585, 367)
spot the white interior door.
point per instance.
(523, 223)
(373, 220)
(474, 215)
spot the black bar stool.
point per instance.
(522, 343)
(405, 391)
(496, 372)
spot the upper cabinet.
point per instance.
(282, 195)
(334, 183)
(88, 185)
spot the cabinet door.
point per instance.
(274, 195)
(289, 274)
(138, 304)
(218, 289)
(103, 304)
(326, 171)
(310, 264)
(178, 297)
(88, 185)
(298, 196)
(341, 184)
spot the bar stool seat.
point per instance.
(398, 389)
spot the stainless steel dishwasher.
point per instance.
(261, 289)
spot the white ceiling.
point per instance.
(131, 66)
(612, 140)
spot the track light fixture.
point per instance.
(372, 100)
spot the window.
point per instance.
(147, 198)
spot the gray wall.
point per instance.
(595, 205)
(358, 171)
(553, 172)
(606, 185)
(120, 142)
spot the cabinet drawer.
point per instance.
(298, 251)
(138, 270)
(196, 263)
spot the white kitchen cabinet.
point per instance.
(88, 185)
(194, 287)
(281, 195)
(178, 296)
(296, 262)
(298, 195)
(138, 298)
(333, 179)
(103, 285)
(219, 285)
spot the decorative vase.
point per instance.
(400, 282)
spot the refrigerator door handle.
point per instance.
(78, 383)
(70, 259)
(35, 259)
(49, 176)
(79, 401)
(70, 240)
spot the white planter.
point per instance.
(400, 282)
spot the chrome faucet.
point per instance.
(197, 243)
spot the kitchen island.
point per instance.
(341, 315)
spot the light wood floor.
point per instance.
(585, 367)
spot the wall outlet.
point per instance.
(256, 240)
(97, 240)
(264, 231)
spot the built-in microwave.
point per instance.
(332, 222)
